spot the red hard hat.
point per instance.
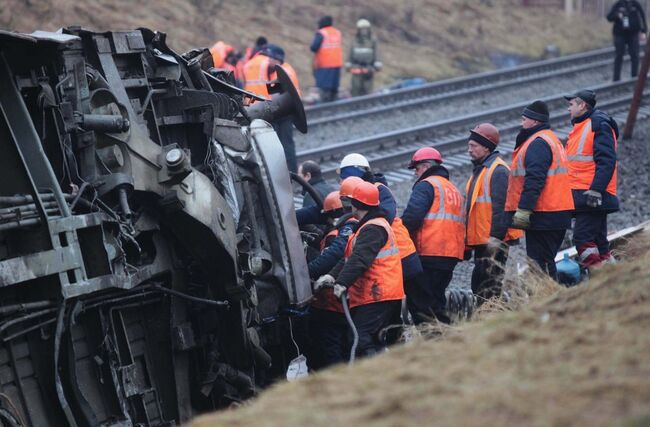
(424, 154)
(348, 185)
(332, 202)
(366, 193)
(486, 131)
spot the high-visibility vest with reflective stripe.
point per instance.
(580, 155)
(382, 281)
(256, 75)
(443, 229)
(479, 219)
(556, 193)
(330, 53)
(402, 236)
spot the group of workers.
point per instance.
(375, 258)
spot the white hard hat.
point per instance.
(354, 159)
(363, 23)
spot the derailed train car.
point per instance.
(149, 252)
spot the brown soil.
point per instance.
(578, 357)
(427, 38)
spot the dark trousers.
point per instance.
(284, 129)
(591, 227)
(631, 42)
(328, 331)
(488, 272)
(328, 95)
(425, 295)
(542, 246)
(369, 319)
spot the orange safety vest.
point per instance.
(556, 193)
(256, 75)
(220, 51)
(479, 219)
(330, 53)
(383, 280)
(580, 155)
(443, 230)
(402, 236)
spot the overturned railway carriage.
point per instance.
(148, 245)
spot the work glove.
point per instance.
(339, 290)
(594, 198)
(493, 246)
(348, 66)
(521, 219)
(323, 281)
(378, 65)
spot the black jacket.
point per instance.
(633, 11)
(321, 186)
(417, 208)
(605, 128)
(539, 158)
(498, 190)
(369, 242)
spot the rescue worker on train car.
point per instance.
(328, 59)
(539, 197)
(371, 272)
(593, 167)
(487, 233)
(328, 327)
(435, 220)
(258, 72)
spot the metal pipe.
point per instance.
(191, 298)
(10, 309)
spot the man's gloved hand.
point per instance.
(521, 219)
(594, 198)
(339, 290)
(348, 66)
(494, 245)
(324, 280)
(378, 65)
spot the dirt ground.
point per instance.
(425, 38)
(578, 356)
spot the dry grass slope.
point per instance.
(578, 357)
(428, 38)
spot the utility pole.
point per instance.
(638, 94)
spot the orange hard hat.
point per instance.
(332, 202)
(366, 193)
(348, 185)
(485, 134)
(424, 154)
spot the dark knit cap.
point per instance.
(538, 110)
(477, 137)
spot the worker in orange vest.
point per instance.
(539, 197)
(371, 272)
(435, 219)
(328, 327)
(591, 151)
(258, 72)
(328, 59)
(487, 233)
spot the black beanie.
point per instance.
(478, 138)
(538, 110)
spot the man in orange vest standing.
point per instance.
(328, 59)
(591, 151)
(258, 72)
(539, 196)
(487, 233)
(371, 271)
(435, 220)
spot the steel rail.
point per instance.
(486, 78)
(449, 135)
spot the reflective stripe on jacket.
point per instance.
(580, 155)
(330, 53)
(556, 194)
(256, 75)
(479, 219)
(382, 281)
(443, 229)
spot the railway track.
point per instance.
(391, 150)
(431, 92)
